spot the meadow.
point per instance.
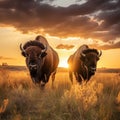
(20, 99)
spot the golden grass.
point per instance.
(20, 99)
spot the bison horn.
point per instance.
(82, 54)
(100, 53)
(45, 49)
(21, 48)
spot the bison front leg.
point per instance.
(43, 81)
(42, 84)
(53, 78)
(71, 76)
(78, 77)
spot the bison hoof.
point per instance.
(42, 84)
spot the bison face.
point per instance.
(34, 60)
(90, 61)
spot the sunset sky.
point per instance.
(66, 24)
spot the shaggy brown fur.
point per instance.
(83, 63)
(33, 43)
(90, 50)
(41, 60)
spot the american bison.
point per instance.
(83, 63)
(41, 60)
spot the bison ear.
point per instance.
(98, 58)
(43, 54)
(23, 53)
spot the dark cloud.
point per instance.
(67, 47)
(110, 18)
(74, 20)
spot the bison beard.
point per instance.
(33, 73)
(37, 73)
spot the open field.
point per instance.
(20, 99)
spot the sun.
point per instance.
(63, 63)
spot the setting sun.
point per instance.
(63, 63)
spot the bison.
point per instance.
(41, 60)
(83, 63)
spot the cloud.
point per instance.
(67, 47)
(96, 19)
(6, 58)
(107, 46)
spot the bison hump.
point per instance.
(42, 40)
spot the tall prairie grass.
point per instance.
(20, 99)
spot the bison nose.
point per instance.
(33, 66)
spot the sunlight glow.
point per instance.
(63, 64)
(10, 38)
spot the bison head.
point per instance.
(34, 52)
(89, 58)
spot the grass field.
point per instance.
(20, 99)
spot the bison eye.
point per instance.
(24, 54)
(39, 55)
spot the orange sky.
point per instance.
(66, 24)
(10, 52)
